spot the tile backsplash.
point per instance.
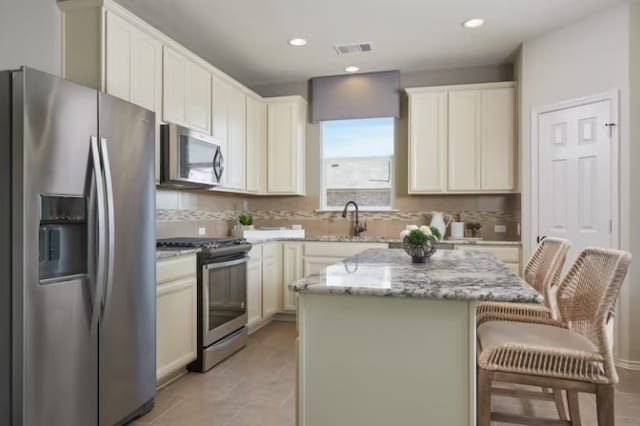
(183, 213)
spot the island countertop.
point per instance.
(449, 275)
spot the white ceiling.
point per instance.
(248, 38)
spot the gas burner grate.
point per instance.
(204, 243)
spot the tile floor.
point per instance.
(256, 386)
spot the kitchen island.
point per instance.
(383, 341)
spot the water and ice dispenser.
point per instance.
(62, 238)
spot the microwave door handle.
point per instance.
(218, 164)
(101, 232)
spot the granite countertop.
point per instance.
(449, 274)
(164, 253)
(374, 239)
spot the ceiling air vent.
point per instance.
(343, 49)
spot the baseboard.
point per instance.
(628, 364)
(285, 317)
(169, 379)
(255, 327)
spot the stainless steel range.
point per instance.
(222, 296)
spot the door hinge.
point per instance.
(610, 126)
(610, 225)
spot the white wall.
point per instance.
(586, 58)
(30, 35)
(631, 301)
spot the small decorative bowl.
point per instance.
(419, 254)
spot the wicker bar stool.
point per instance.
(542, 273)
(572, 353)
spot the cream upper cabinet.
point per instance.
(498, 139)
(220, 111)
(236, 140)
(256, 165)
(286, 127)
(229, 128)
(133, 64)
(427, 142)
(464, 140)
(186, 91)
(133, 68)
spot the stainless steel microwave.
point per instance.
(189, 159)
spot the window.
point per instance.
(357, 163)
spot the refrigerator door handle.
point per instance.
(100, 269)
(110, 225)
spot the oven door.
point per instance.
(224, 298)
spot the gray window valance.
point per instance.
(344, 97)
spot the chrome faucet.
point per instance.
(357, 229)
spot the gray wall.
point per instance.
(30, 35)
(484, 74)
(586, 58)
(631, 350)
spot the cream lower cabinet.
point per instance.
(467, 135)
(292, 270)
(511, 255)
(254, 292)
(263, 284)
(176, 311)
(271, 279)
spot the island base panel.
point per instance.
(385, 360)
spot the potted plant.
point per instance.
(419, 243)
(474, 228)
(246, 221)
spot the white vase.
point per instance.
(441, 221)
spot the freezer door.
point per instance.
(55, 341)
(128, 327)
(5, 248)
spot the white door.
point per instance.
(575, 176)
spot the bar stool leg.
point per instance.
(562, 412)
(604, 400)
(574, 408)
(484, 398)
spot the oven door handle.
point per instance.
(220, 265)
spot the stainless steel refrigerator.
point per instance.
(77, 254)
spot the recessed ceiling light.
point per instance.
(473, 23)
(352, 68)
(298, 42)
